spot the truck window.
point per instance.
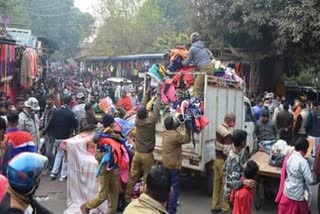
(248, 112)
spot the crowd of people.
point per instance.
(32, 130)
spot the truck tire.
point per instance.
(210, 177)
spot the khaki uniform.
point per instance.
(108, 189)
(141, 163)
(145, 141)
(146, 205)
(172, 149)
(199, 81)
(223, 147)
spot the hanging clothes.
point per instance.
(29, 68)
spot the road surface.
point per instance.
(193, 198)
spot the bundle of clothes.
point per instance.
(176, 86)
(226, 73)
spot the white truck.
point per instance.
(219, 99)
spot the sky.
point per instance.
(85, 5)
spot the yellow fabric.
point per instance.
(141, 163)
(108, 190)
(162, 70)
(150, 104)
(146, 205)
(179, 51)
(218, 200)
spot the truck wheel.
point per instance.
(210, 176)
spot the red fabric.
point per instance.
(19, 137)
(242, 200)
(116, 151)
(125, 103)
(282, 179)
(203, 122)
(287, 205)
(237, 69)
(187, 75)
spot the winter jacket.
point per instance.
(146, 128)
(303, 123)
(145, 204)
(266, 131)
(172, 142)
(298, 176)
(284, 120)
(125, 102)
(31, 124)
(88, 123)
(198, 54)
(80, 112)
(232, 170)
(14, 203)
(63, 123)
(223, 141)
(47, 116)
(315, 130)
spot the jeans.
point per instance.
(49, 144)
(175, 184)
(60, 159)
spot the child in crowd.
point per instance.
(242, 198)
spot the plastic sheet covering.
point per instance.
(82, 184)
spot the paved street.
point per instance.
(193, 200)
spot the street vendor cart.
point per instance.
(266, 174)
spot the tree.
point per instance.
(129, 27)
(57, 20)
(60, 21)
(14, 10)
(169, 40)
(175, 13)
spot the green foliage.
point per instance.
(259, 24)
(175, 13)
(57, 20)
(129, 27)
(15, 11)
(170, 40)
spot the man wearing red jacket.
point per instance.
(125, 101)
(18, 141)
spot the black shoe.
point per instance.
(53, 176)
(216, 211)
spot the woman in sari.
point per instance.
(295, 176)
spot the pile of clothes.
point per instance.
(177, 81)
(226, 73)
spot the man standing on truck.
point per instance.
(172, 142)
(223, 147)
(200, 56)
(145, 141)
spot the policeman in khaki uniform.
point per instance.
(145, 141)
(223, 147)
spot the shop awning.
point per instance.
(157, 56)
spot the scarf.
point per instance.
(282, 179)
